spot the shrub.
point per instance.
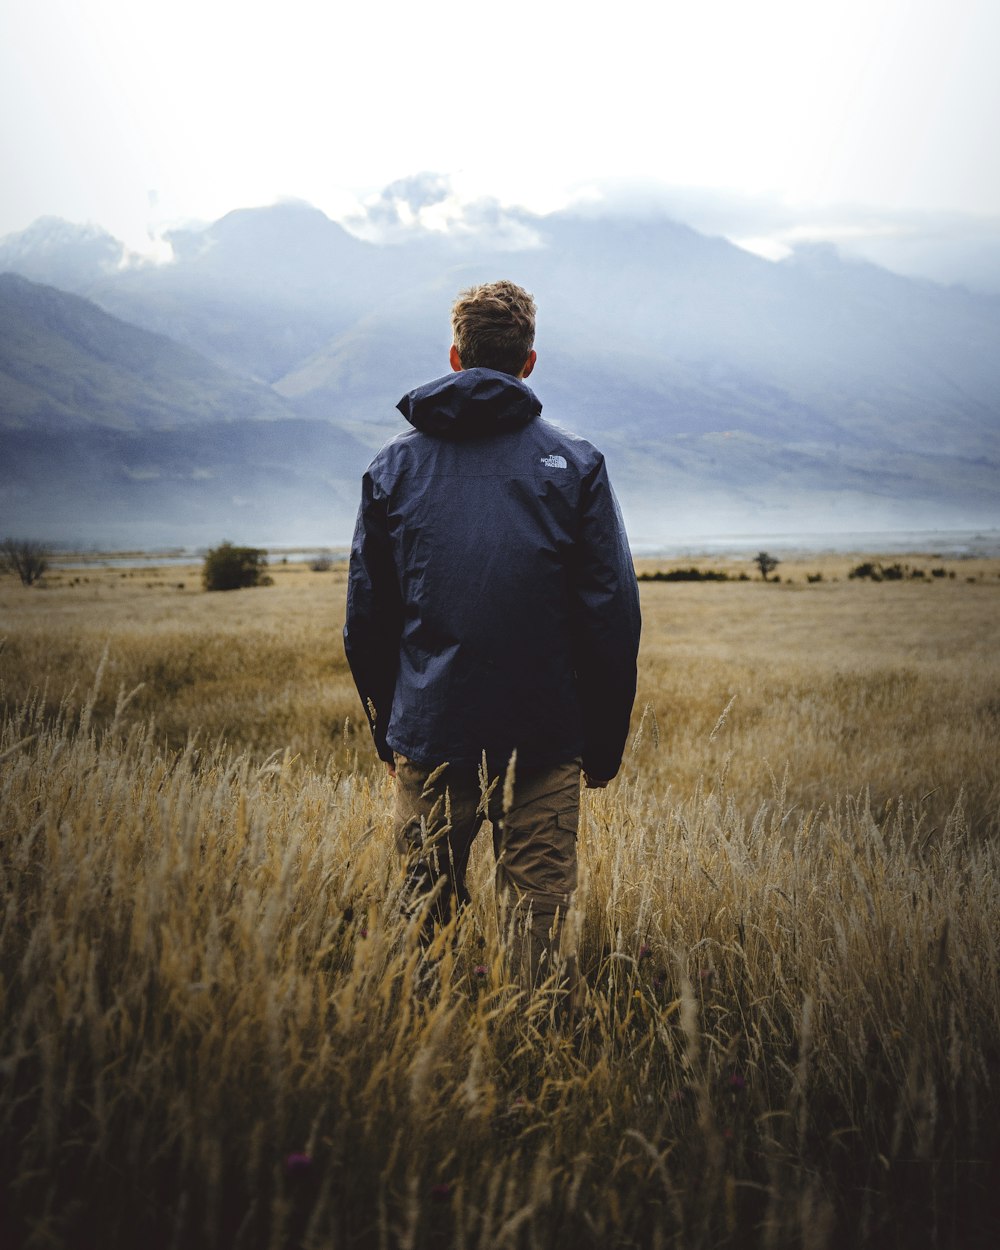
(233, 568)
(25, 557)
(888, 572)
(766, 563)
(685, 575)
(322, 564)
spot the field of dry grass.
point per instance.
(215, 1030)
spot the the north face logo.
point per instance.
(554, 462)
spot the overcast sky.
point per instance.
(137, 115)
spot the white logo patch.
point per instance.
(554, 462)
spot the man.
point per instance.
(492, 624)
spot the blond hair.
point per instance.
(493, 326)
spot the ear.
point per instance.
(529, 364)
(454, 359)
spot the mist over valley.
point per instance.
(240, 389)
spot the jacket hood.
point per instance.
(470, 404)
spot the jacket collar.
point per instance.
(470, 404)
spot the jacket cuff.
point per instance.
(600, 769)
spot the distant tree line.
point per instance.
(688, 575)
(874, 572)
(766, 563)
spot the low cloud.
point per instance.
(430, 203)
(944, 247)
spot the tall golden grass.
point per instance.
(217, 1029)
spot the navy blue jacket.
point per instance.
(492, 601)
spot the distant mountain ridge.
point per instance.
(113, 434)
(726, 390)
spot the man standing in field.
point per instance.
(492, 625)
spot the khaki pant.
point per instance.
(535, 814)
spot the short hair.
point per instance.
(493, 326)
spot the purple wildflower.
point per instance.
(441, 1192)
(297, 1164)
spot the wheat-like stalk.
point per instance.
(219, 1027)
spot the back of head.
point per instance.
(493, 326)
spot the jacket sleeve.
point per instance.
(606, 625)
(374, 613)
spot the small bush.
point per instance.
(25, 557)
(322, 564)
(814, 577)
(234, 568)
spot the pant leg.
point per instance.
(536, 852)
(438, 812)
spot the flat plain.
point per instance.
(217, 1029)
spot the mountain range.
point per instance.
(239, 389)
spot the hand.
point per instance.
(391, 768)
(595, 783)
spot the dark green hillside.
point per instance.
(65, 363)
